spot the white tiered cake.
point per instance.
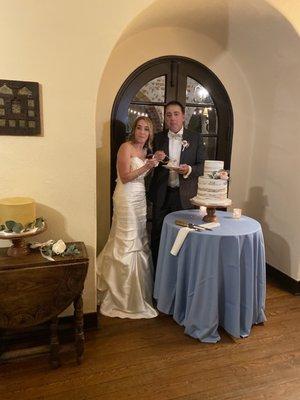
(212, 186)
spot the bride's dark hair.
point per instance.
(131, 136)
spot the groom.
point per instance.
(171, 190)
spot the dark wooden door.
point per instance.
(150, 87)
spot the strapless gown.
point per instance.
(124, 267)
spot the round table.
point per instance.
(217, 279)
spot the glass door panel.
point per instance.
(155, 113)
(201, 119)
(152, 91)
(151, 86)
(196, 93)
(210, 144)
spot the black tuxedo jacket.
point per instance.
(193, 155)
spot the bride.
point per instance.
(125, 266)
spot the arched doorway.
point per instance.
(151, 86)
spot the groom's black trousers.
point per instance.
(172, 203)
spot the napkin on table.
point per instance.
(180, 238)
(182, 234)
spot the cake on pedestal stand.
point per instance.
(211, 209)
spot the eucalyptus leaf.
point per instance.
(17, 227)
(39, 222)
(48, 251)
(47, 248)
(30, 226)
(71, 250)
(10, 225)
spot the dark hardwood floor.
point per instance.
(153, 359)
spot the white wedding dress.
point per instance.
(124, 267)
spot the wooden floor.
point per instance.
(153, 359)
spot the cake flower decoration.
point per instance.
(221, 174)
(185, 144)
(224, 175)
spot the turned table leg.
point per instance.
(2, 347)
(79, 335)
(54, 343)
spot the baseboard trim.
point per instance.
(284, 280)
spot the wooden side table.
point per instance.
(34, 290)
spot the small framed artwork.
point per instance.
(19, 108)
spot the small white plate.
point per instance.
(171, 167)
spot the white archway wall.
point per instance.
(289, 9)
(256, 61)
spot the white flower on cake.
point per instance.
(221, 174)
(185, 144)
(59, 247)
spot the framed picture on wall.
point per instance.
(19, 108)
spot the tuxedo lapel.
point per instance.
(184, 152)
(165, 143)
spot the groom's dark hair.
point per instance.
(175, 103)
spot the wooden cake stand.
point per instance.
(19, 247)
(211, 209)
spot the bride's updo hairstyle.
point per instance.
(131, 136)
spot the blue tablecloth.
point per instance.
(217, 279)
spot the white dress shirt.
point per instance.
(174, 156)
(175, 148)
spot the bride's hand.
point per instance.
(151, 163)
(159, 155)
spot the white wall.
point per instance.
(267, 48)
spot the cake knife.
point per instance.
(190, 225)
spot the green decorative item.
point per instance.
(16, 232)
(55, 248)
(17, 227)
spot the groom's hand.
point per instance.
(183, 169)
